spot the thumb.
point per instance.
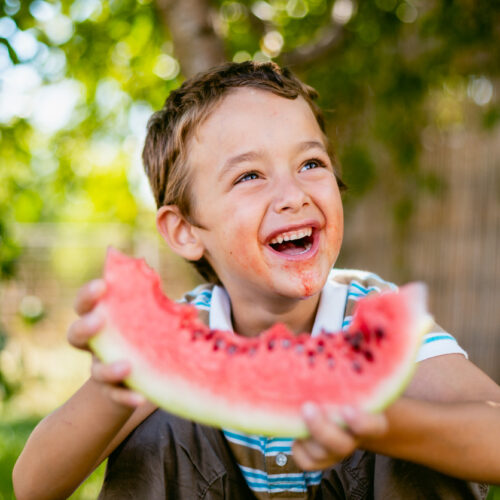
(363, 424)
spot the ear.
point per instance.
(180, 235)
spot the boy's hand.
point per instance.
(329, 443)
(90, 322)
(109, 376)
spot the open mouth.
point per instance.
(293, 242)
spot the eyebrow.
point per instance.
(232, 162)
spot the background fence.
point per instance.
(453, 242)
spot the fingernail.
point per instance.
(348, 412)
(119, 367)
(97, 287)
(309, 410)
(137, 399)
(94, 320)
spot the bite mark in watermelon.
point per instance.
(255, 385)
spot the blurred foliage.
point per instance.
(79, 79)
(494, 493)
(12, 439)
(7, 387)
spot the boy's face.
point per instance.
(261, 176)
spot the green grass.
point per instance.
(12, 438)
(13, 435)
(494, 493)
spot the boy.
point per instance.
(247, 189)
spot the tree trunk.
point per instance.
(196, 44)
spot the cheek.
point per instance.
(241, 248)
(337, 231)
(335, 223)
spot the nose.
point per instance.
(290, 195)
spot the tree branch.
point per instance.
(196, 44)
(259, 25)
(330, 39)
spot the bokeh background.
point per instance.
(410, 89)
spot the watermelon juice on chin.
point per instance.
(256, 385)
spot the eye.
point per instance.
(249, 176)
(314, 163)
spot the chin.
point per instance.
(304, 286)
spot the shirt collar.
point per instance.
(329, 316)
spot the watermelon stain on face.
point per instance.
(256, 385)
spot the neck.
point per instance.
(251, 318)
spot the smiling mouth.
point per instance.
(293, 242)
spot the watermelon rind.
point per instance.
(189, 401)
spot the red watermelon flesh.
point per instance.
(256, 385)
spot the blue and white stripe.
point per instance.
(203, 298)
(437, 343)
(273, 483)
(356, 290)
(267, 446)
(261, 481)
(434, 337)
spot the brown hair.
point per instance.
(170, 129)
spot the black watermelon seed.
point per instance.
(196, 334)
(285, 343)
(299, 348)
(232, 349)
(271, 344)
(379, 333)
(252, 351)
(356, 366)
(210, 334)
(368, 355)
(356, 340)
(218, 344)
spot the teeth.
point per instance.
(292, 235)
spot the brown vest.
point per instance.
(169, 458)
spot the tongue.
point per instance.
(289, 248)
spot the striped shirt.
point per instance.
(267, 463)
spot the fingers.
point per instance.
(329, 443)
(310, 455)
(124, 397)
(110, 376)
(112, 373)
(88, 296)
(83, 329)
(364, 425)
(326, 432)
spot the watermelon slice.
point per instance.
(256, 385)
